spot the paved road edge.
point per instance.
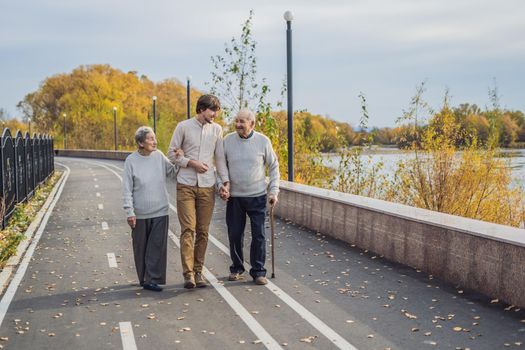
(14, 261)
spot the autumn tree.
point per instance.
(88, 95)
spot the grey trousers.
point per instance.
(150, 243)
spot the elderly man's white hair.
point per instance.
(246, 113)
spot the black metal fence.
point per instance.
(25, 163)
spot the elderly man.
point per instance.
(248, 154)
(200, 139)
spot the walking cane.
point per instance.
(272, 225)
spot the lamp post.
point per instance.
(115, 126)
(188, 80)
(29, 125)
(288, 17)
(65, 131)
(154, 114)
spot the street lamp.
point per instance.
(288, 17)
(29, 125)
(115, 126)
(65, 132)
(188, 79)
(154, 114)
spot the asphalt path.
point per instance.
(80, 290)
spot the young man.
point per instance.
(248, 154)
(201, 141)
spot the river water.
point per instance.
(390, 157)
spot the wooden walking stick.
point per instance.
(272, 225)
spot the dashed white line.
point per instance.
(126, 334)
(95, 179)
(98, 194)
(96, 186)
(105, 225)
(112, 260)
(101, 206)
(322, 327)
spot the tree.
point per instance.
(3, 114)
(87, 96)
(234, 78)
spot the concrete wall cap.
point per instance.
(502, 233)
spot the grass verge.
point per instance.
(22, 217)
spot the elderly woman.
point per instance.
(146, 204)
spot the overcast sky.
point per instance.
(383, 48)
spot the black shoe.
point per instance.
(153, 286)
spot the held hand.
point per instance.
(199, 166)
(224, 193)
(179, 153)
(272, 199)
(132, 221)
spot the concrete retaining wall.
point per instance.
(485, 257)
(89, 153)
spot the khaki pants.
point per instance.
(195, 209)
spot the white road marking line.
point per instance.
(101, 206)
(126, 334)
(240, 310)
(15, 282)
(95, 179)
(112, 260)
(105, 226)
(250, 321)
(96, 186)
(309, 317)
(322, 327)
(98, 194)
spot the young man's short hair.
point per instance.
(208, 102)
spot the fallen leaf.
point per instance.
(457, 329)
(309, 339)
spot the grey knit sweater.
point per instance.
(247, 160)
(144, 191)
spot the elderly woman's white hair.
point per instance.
(246, 113)
(141, 134)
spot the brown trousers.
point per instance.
(195, 209)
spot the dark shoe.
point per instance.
(234, 276)
(189, 282)
(200, 281)
(260, 280)
(153, 287)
